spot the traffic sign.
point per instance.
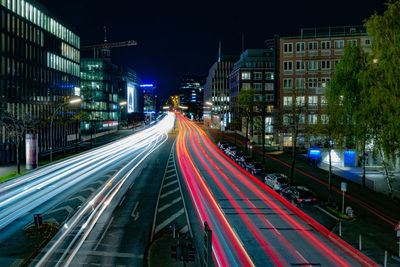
(343, 186)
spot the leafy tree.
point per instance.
(348, 101)
(246, 108)
(384, 108)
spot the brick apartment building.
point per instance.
(306, 64)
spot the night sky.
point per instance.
(176, 39)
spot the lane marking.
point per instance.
(122, 200)
(104, 233)
(169, 220)
(115, 254)
(184, 230)
(134, 210)
(171, 183)
(169, 204)
(171, 176)
(169, 193)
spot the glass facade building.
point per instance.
(39, 70)
(104, 86)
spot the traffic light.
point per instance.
(191, 253)
(173, 252)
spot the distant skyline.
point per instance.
(182, 39)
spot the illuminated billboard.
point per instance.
(131, 100)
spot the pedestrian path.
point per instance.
(170, 213)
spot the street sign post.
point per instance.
(397, 229)
(173, 226)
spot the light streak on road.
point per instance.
(82, 223)
(227, 248)
(210, 172)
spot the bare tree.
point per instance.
(17, 127)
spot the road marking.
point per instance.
(133, 215)
(327, 213)
(67, 208)
(104, 233)
(254, 206)
(173, 175)
(169, 220)
(184, 230)
(169, 204)
(115, 254)
(169, 193)
(171, 183)
(80, 198)
(122, 200)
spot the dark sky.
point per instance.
(182, 38)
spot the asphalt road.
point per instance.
(59, 190)
(121, 236)
(251, 224)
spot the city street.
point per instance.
(93, 178)
(251, 224)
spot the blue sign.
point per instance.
(349, 158)
(147, 85)
(314, 154)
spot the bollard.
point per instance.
(340, 228)
(359, 242)
(385, 261)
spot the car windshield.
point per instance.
(281, 180)
(305, 194)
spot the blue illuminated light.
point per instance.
(149, 112)
(314, 154)
(349, 158)
(147, 85)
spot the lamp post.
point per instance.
(73, 101)
(121, 104)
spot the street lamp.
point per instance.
(121, 104)
(72, 101)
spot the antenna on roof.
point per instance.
(105, 34)
(219, 52)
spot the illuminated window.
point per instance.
(246, 76)
(287, 101)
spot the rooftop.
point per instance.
(328, 32)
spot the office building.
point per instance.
(109, 93)
(307, 63)
(39, 71)
(217, 93)
(149, 100)
(191, 95)
(255, 69)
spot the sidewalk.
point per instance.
(375, 179)
(82, 146)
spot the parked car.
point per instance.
(242, 160)
(236, 155)
(299, 195)
(276, 181)
(222, 144)
(257, 169)
(229, 149)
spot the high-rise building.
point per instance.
(39, 71)
(191, 95)
(217, 92)
(149, 100)
(109, 93)
(255, 69)
(307, 63)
